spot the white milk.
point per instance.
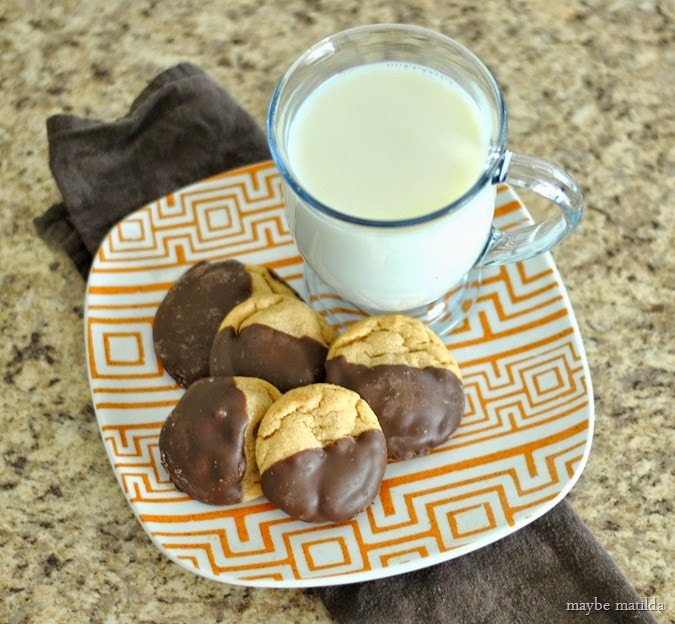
(387, 141)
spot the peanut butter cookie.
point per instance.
(321, 453)
(275, 337)
(406, 374)
(207, 443)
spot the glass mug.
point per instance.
(409, 263)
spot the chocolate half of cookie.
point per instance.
(321, 453)
(418, 408)
(273, 337)
(207, 443)
(332, 483)
(188, 318)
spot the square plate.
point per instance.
(522, 443)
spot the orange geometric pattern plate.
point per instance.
(521, 445)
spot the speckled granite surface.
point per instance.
(589, 84)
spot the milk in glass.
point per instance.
(388, 141)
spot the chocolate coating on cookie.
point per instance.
(261, 351)
(202, 441)
(418, 408)
(333, 483)
(189, 316)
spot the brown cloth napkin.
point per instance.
(183, 128)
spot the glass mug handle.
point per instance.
(549, 181)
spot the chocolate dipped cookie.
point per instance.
(207, 443)
(191, 312)
(277, 338)
(406, 374)
(321, 453)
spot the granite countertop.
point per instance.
(589, 84)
